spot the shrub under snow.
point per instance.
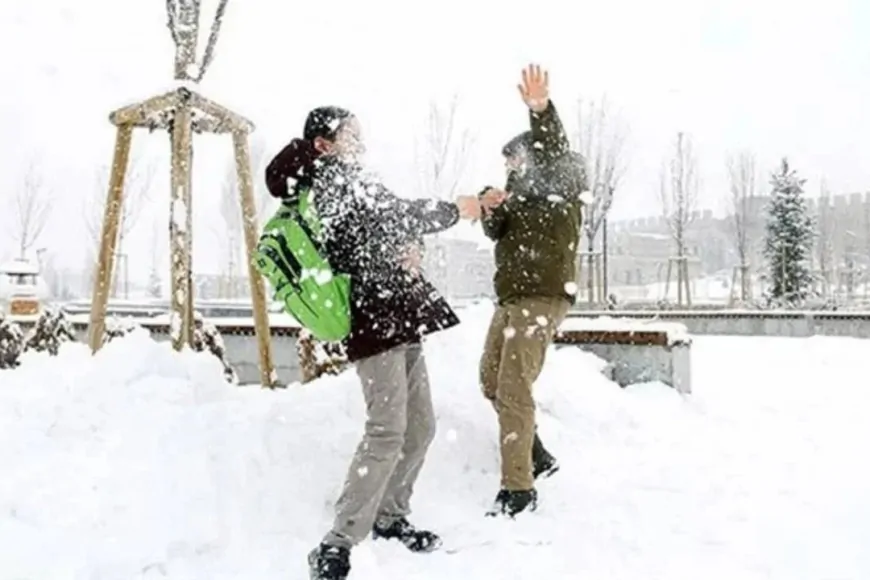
(51, 330)
(11, 343)
(207, 338)
(118, 327)
(317, 359)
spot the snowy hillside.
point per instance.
(141, 463)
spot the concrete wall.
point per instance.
(630, 364)
(242, 354)
(752, 323)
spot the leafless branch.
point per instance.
(136, 195)
(678, 190)
(444, 152)
(32, 202)
(743, 178)
(824, 241)
(229, 231)
(601, 139)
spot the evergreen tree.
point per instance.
(788, 243)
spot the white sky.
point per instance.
(780, 78)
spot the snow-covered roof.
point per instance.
(19, 266)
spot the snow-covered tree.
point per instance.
(788, 243)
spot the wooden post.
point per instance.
(111, 217)
(181, 330)
(188, 202)
(685, 269)
(258, 288)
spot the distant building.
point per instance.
(639, 249)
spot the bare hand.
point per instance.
(469, 207)
(412, 259)
(491, 199)
(535, 88)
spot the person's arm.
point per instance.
(550, 143)
(493, 221)
(431, 216)
(420, 217)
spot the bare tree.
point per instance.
(30, 209)
(600, 141)
(137, 194)
(743, 180)
(824, 242)
(444, 152)
(679, 196)
(230, 230)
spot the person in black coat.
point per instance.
(374, 237)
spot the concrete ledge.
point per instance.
(636, 351)
(788, 323)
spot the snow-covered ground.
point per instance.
(142, 463)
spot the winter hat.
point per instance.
(324, 122)
(518, 145)
(296, 160)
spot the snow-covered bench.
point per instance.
(637, 351)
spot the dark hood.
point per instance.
(519, 144)
(294, 163)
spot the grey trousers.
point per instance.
(399, 428)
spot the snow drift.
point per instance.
(144, 463)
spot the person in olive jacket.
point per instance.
(536, 230)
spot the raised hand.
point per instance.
(412, 259)
(535, 88)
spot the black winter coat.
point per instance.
(366, 231)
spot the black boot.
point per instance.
(414, 539)
(327, 562)
(543, 464)
(510, 503)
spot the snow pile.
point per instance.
(144, 463)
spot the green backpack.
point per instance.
(288, 256)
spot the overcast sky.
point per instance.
(779, 78)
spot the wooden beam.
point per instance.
(221, 113)
(211, 125)
(109, 238)
(180, 327)
(139, 114)
(241, 149)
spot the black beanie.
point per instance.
(324, 122)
